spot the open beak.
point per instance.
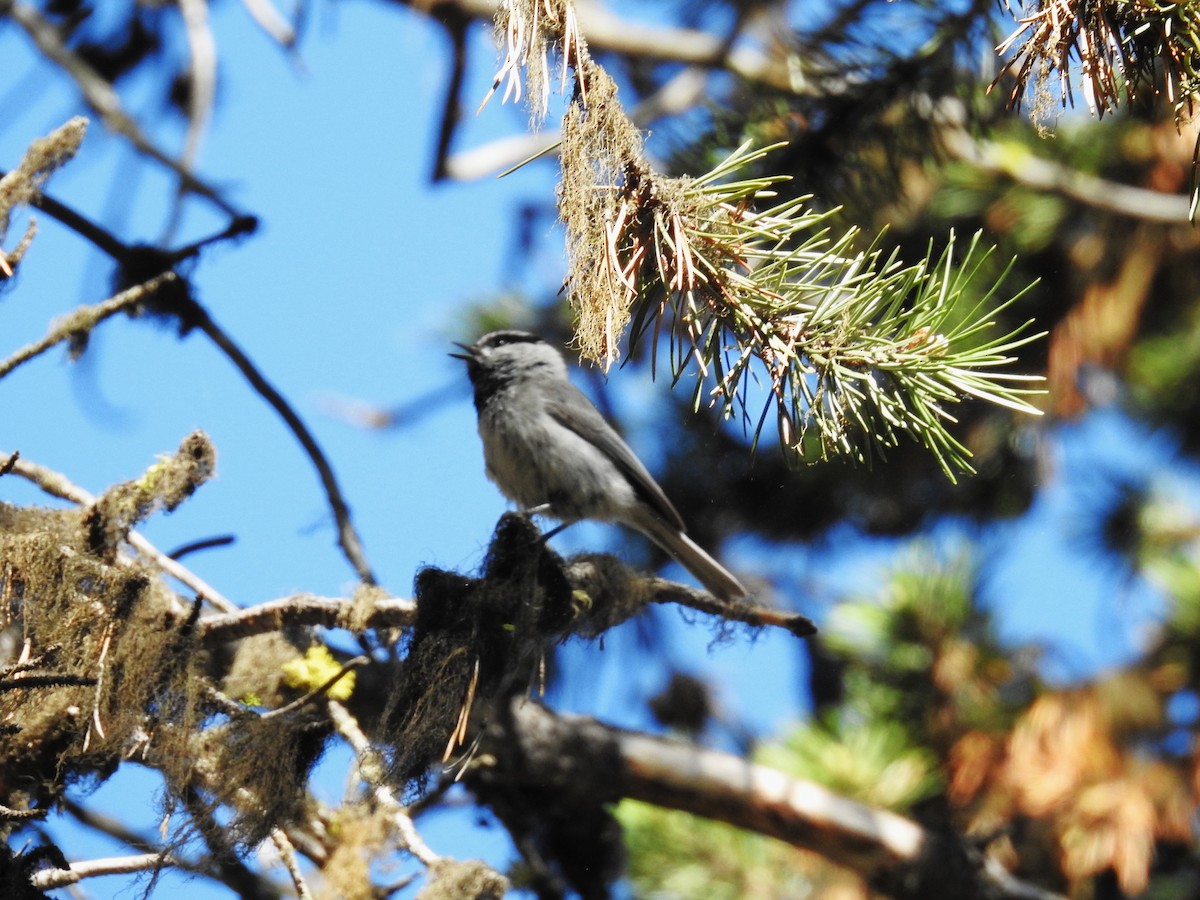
(469, 354)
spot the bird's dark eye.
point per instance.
(504, 338)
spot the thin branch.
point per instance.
(202, 91)
(203, 52)
(53, 483)
(88, 317)
(182, 573)
(307, 838)
(456, 28)
(58, 485)
(105, 241)
(84, 319)
(370, 767)
(268, 18)
(312, 695)
(49, 879)
(305, 609)
(40, 681)
(348, 538)
(227, 705)
(229, 868)
(891, 852)
(676, 96)
(287, 855)
(665, 591)
(607, 32)
(222, 540)
(99, 236)
(110, 826)
(119, 831)
(9, 813)
(102, 97)
(1026, 168)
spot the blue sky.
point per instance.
(350, 288)
(360, 277)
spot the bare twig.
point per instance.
(222, 540)
(53, 483)
(268, 18)
(77, 222)
(347, 536)
(181, 573)
(1026, 168)
(227, 705)
(312, 695)
(102, 97)
(310, 838)
(119, 831)
(58, 485)
(202, 72)
(607, 32)
(203, 51)
(40, 681)
(456, 28)
(108, 825)
(665, 591)
(9, 813)
(287, 855)
(92, 868)
(84, 319)
(304, 609)
(679, 94)
(371, 769)
(588, 569)
(116, 249)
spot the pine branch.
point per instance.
(855, 350)
(1124, 48)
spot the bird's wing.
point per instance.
(570, 408)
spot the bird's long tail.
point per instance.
(717, 580)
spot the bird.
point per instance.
(548, 449)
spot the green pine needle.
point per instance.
(856, 350)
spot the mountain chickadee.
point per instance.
(549, 449)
